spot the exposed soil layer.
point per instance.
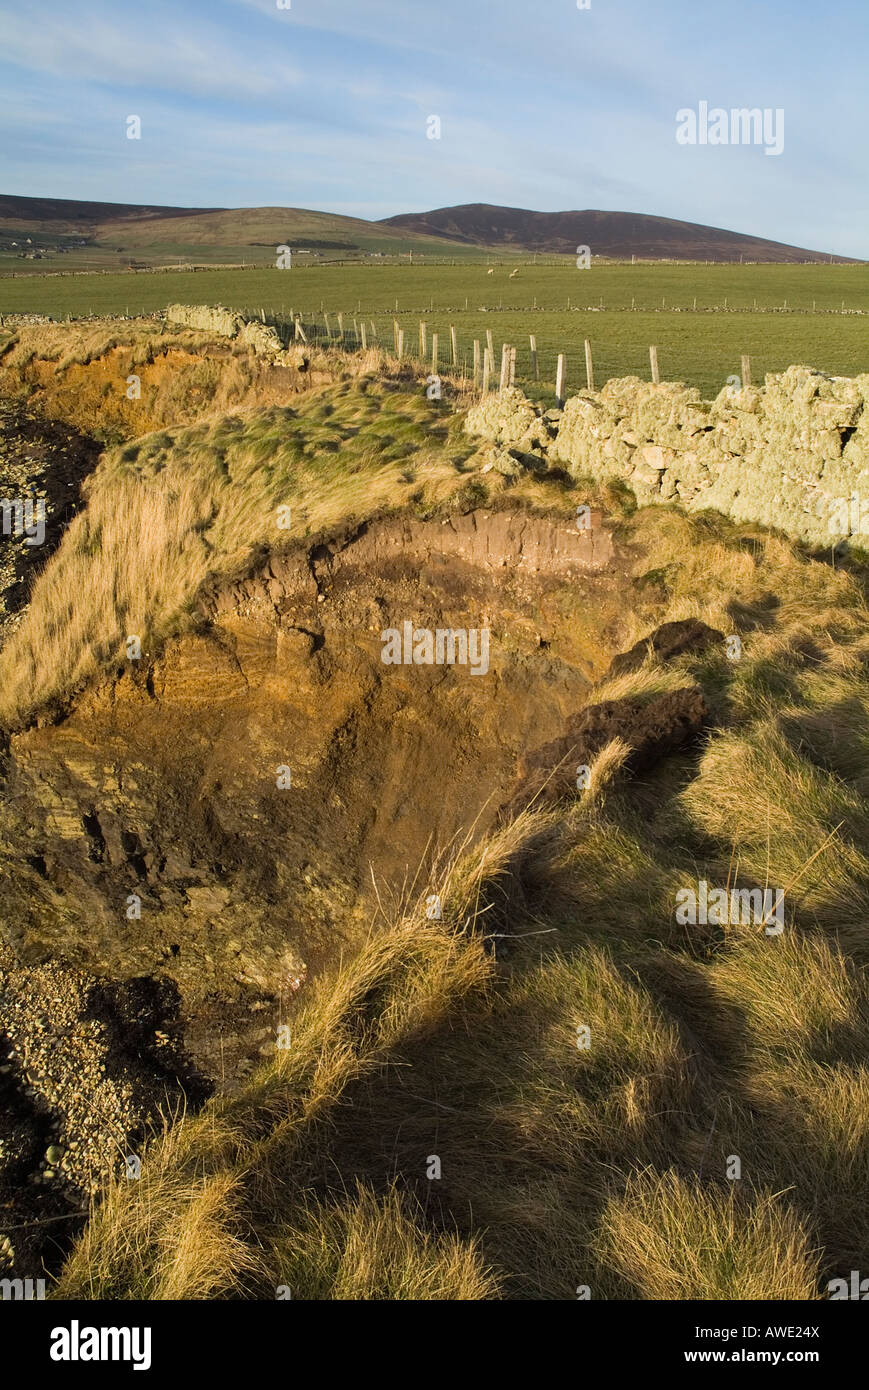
(652, 730)
(132, 387)
(161, 785)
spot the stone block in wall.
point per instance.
(732, 401)
(618, 451)
(834, 414)
(667, 413)
(261, 337)
(653, 456)
(708, 453)
(826, 443)
(646, 483)
(695, 469)
(504, 417)
(840, 478)
(742, 438)
(586, 429)
(856, 451)
(205, 318)
(668, 485)
(620, 395)
(799, 464)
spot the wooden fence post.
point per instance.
(328, 329)
(395, 335)
(534, 366)
(400, 343)
(490, 344)
(505, 360)
(512, 381)
(422, 340)
(454, 345)
(364, 336)
(559, 379)
(487, 370)
(341, 328)
(746, 369)
(653, 359)
(434, 353)
(476, 361)
(589, 366)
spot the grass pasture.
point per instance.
(701, 318)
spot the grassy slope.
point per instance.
(271, 226)
(172, 508)
(560, 1167)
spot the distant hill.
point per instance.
(161, 234)
(111, 235)
(616, 234)
(78, 218)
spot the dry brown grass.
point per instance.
(241, 1167)
(373, 1247)
(675, 1240)
(563, 1164)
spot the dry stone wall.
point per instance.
(792, 454)
(226, 323)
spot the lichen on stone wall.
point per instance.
(224, 322)
(262, 338)
(792, 454)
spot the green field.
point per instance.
(701, 318)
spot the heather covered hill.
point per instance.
(614, 234)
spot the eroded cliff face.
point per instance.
(119, 379)
(207, 829)
(161, 784)
(43, 464)
(187, 840)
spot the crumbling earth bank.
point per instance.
(161, 784)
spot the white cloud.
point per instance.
(109, 48)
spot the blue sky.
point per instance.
(542, 105)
